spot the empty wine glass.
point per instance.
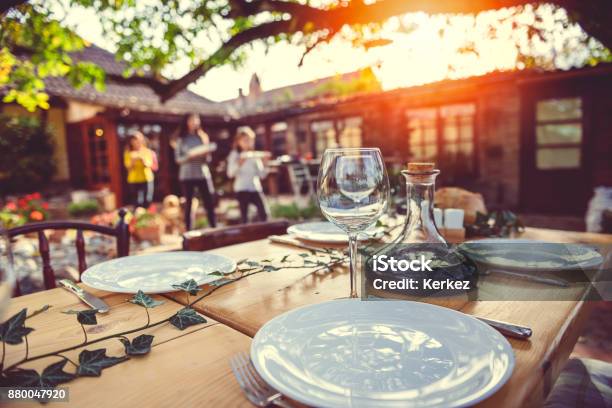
(353, 192)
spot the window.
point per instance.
(456, 142)
(350, 135)
(558, 133)
(422, 133)
(325, 136)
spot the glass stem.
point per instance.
(353, 264)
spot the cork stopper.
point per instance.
(414, 167)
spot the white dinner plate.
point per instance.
(352, 353)
(156, 273)
(532, 255)
(326, 232)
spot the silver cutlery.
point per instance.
(88, 298)
(508, 329)
(530, 277)
(279, 239)
(253, 386)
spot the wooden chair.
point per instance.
(121, 233)
(211, 238)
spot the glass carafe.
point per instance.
(420, 188)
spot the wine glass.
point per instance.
(353, 192)
(7, 278)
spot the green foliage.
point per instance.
(51, 376)
(13, 330)
(366, 82)
(495, 224)
(91, 363)
(186, 317)
(83, 208)
(190, 286)
(33, 27)
(26, 154)
(294, 212)
(144, 300)
(139, 346)
(85, 317)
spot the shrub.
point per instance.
(294, 212)
(26, 154)
(82, 208)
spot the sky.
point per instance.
(415, 56)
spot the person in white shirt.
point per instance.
(246, 167)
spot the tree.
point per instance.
(26, 154)
(151, 34)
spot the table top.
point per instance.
(184, 368)
(191, 367)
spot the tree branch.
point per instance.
(312, 19)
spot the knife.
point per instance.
(91, 300)
(508, 329)
(529, 277)
(279, 239)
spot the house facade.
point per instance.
(536, 142)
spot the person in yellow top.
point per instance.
(139, 161)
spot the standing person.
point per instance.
(247, 169)
(192, 153)
(138, 160)
(154, 166)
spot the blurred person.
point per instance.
(154, 166)
(138, 160)
(247, 169)
(192, 154)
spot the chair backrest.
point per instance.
(121, 233)
(299, 176)
(211, 238)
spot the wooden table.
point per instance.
(184, 368)
(190, 368)
(247, 304)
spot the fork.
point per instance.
(253, 386)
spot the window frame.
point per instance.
(537, 123)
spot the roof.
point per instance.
(353, 83)
(132, 96)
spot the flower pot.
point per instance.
(150, 233)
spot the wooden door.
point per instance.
(555, 171)
(102, 162)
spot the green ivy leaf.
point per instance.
(186, 317)
(20, 377)
(85, 317)
(284, 259)
(139, 346)
(55, 374)
(144, 300)
(252, 263)
(91, 363)
(190, 286)
(13, 330)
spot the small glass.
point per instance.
(353, 193)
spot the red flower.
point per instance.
(37, 216)
(35, 196)
(45, 205)
(10, 206)
(152, 209)
(22, 203)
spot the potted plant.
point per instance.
(147, 225)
